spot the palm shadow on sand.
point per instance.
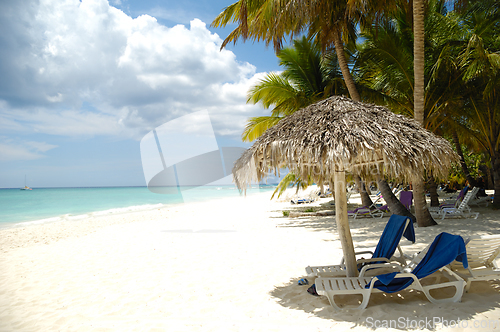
(410, 306)
(404, 308)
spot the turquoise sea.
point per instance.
(52, 204)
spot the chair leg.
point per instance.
(366, 298)
(467, 286)
(459, 286)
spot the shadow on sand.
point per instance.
(405, 307)
(403, 311)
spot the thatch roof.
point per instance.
(340, 134)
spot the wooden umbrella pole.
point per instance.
(343, 224)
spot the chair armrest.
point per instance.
(363, 252)
(357, 253)
(365, 268)
(452, 273)
(397, 276)
(368, 260)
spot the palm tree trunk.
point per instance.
(346, 73)
(353, 91)
(495, 165)
(433, 191)
(460, 153)
(418, 61)
(423, 215)
(491, 184)
(367, 189)
(365, 196)
(392, 201)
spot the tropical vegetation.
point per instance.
(459, 77)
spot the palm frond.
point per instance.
(256, 126)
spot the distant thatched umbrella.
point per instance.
(335, 135)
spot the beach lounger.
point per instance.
(384, 209)
(365, 211)
(445, 249)
(396, 227)
(301, 200)
(456, 202)
(463, 209)
(481, 254)
(379, 196)
(347, 197)
(481, 201)
(312, 197)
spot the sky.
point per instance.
(82, 82)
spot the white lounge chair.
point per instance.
(377, 205)
(481, 254)
(310, 198)
(455, 202)
(435, 258)
(365, 211)
(396, 227)
(463, 209)
(481, 201)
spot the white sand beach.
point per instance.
(225, 265)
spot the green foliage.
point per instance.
(462, 64)
(462, 71)
(384, 64)
(290, 180)
(473, 160)
(307, 77)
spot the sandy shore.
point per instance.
(225, 265)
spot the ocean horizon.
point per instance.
(44, 205)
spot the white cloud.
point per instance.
(22, 150)
(62, 123)
(176, 14)
(40, 146)
(134, 73)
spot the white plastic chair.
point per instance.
(481, 254)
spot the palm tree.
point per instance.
(385, 67)
(423, 215)
(271, 21)
(308, 77)
(472, 54)
(330, 22)
(480, 62)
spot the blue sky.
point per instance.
(83, 82)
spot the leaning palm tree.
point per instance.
(330, 22)
(272, 21)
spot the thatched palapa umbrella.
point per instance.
(338, 135)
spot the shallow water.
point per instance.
(51, 204)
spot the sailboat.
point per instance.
(25, 186)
